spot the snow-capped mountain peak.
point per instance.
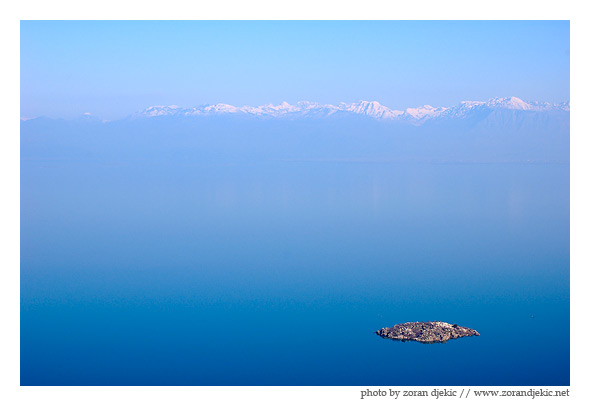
(426, 111)
(513, 103)
(372, 109)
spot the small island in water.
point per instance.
(426, 332)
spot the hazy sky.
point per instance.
(115, 68)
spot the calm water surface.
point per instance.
(279, 273)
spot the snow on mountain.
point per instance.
(154, 111)
(285, 109)
(416, 116)
(371, 109)
(425, 111)
(220, 109)
(513, 103)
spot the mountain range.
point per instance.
(498, 130)
(373, 109)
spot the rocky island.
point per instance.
(426, 332)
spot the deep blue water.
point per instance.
(279, 273)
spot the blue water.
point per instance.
(279, 273)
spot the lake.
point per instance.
(279, 272)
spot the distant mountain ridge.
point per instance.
(498, 130)
(373, 109)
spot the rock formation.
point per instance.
(426, 332)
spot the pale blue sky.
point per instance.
(115, 68)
